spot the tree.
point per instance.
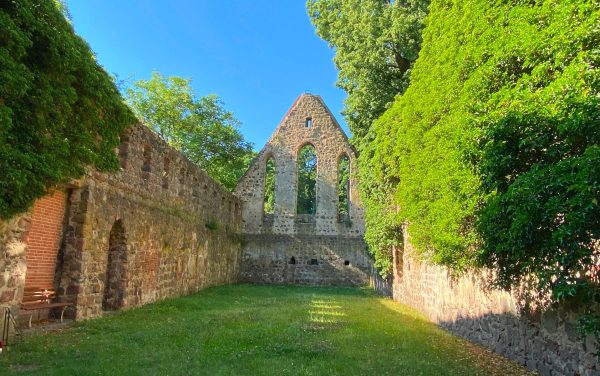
(376, 43)
(540, 151)
(59, 110)
(343, 187)
(200, 128)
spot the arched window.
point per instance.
(343, 188)
(116, 273)
(269, 199)
(307, 181)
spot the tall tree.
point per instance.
(59, 110)
(201, 128)
(376, 43)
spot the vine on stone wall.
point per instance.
(59, 112)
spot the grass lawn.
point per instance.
(257, 330)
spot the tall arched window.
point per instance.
(344, 188)
(307, 180)
(269, 200)
(116, 273)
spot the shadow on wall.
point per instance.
(531, 345)
(510, 323)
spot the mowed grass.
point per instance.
(257, 330)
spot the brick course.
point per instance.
(43, 240)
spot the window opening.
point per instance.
(269, 199)
(307, 181)
(344, 189)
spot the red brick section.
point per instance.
(43, 240)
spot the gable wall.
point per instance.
(272, 241)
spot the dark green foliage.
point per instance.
(201, 128)
(59, 110)
(307, 180)
(541, 152)
(344, 187)
(211, 225)
(269, 199)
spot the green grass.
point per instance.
(257, 330)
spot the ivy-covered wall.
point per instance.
(59, 110)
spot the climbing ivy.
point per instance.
(59, 110)
(491, 154)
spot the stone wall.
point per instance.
(174, 229)
(305, 260)
(546, 341)
(179, 230)
(320, 243)
(13, 265)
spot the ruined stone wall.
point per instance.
(13, 264)
(272, 240)
(180, 230)
(305, 259)
(547, 341)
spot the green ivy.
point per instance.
(59, 110)
(490, 156)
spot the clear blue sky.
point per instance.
(257, 55)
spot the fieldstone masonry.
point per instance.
(174, 231)
(506, 322)
(172, 228)
(13, 262)
(286, 247)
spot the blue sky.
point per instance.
(258, 55)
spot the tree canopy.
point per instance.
(376, 43)
(59, 110)
(201, 128)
